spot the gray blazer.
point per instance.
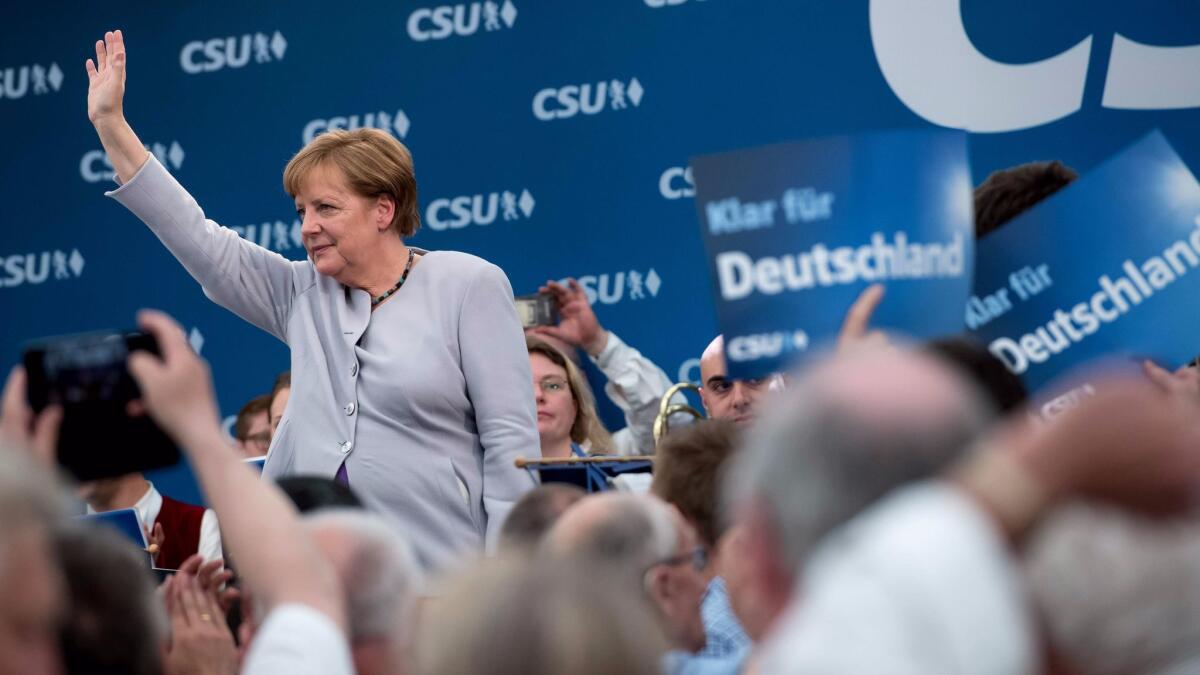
(428, 400)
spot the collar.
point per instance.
(147, 506)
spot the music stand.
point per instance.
(594, 474)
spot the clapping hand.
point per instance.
(201, 643)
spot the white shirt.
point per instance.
(922, 583)
(296, 639)
(148, 506)
(636, 386)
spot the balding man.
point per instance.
(725, 398)
(646, 543)
(379, 578)
(846, 433)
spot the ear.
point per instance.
(704, 400)
(658, 581)
(385, 211)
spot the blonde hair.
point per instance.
(587, 426)
(375, 165)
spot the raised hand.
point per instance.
(106, 79)
(38, 434)
(856, 330)
(577, 325)
(201, 643)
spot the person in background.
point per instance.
(180, 529)
(566, 410)
(252, 430)
(635, 384)
(536, 513)
(725, 398)
(281, 391)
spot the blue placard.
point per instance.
(795, 231)
(1107, 266)
(124, 521)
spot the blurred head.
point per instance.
(380, 579)
(31, 581)
(723, 398)
(646, 545)
(688, 465)
(536, 512)
(536, 617)
(566, 408)
(352, 188)
(1118, 593)
(850, 431)
(1004, 389)
(1008, 193)
(115, 621)
(252, 430)
(279, 399)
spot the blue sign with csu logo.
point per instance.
(1105, 266)
(795, 231)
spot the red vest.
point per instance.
(181, 531)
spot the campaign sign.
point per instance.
(125, 521)
(1106, 266)
(796, 231)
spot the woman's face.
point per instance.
(340, 228)
(555, 405)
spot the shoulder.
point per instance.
(462, 271)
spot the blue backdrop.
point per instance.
(566, 124)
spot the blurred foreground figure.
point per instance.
(516, 617)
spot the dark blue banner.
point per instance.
(1103, 267)
(796, 231)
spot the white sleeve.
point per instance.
(921, 583)
(210, 536)
(636, 386)
(296, 639)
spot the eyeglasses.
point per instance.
(552, 385)
(698, 557)
(261, 440)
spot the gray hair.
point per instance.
(829, 448)
(634, 532)
(29, 495)
(1119, 593)
(382, 577)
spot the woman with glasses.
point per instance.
(566, 410)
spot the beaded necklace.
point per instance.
(388, 293)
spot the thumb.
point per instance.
(45, 435)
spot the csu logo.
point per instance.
(15, 81)
(95, 167)
(458, 212)
(765, 345)
(277, 236)
(36, 268)
(676, 183)
(609, 289)
(396, 125)
(589, 99)
(438, 23)
(205, 56)
(914, 41)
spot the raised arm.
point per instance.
(106, 95)
(259, 525)
(252, 282)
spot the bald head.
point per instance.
(849, 431)
(623, 532)
(724, 398)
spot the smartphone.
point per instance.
(101, 435)
(539, 309)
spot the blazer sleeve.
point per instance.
(245, 278)
(495, 365)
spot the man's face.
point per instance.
(726, 399)
(32, 588)
(678, 589)
(258, 438)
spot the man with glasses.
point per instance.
(647, 544)
(252, 431)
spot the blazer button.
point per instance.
(350, 407)
(353, 370)
(345, 446)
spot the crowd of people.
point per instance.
(890, 508)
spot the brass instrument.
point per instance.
(666, 409)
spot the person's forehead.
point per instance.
(323, 180)
(543, 366)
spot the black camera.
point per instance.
(102, 434)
